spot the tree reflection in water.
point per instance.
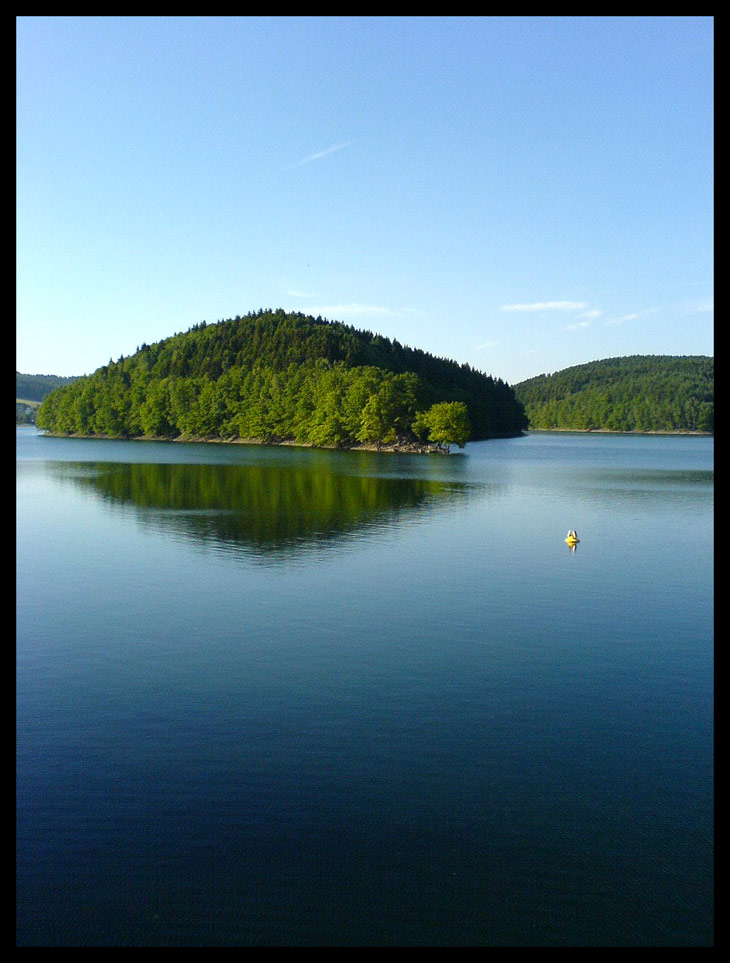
(271, 509)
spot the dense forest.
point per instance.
(274, 376)
(30, 390)
(635, 393)
(35, 387)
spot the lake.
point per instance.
(285, 697)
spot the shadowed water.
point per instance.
(273, 697)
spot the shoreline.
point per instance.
(609, 431)
(402, 447)
(397, 447)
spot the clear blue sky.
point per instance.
(522, 194)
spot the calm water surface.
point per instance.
(280, 697)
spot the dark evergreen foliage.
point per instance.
(277, 376)
(35, 387)
(635, 393)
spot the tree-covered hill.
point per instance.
(277, 376)
(30, 390)
(35, 387)
(635, 393)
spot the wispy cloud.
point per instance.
(585, 315)
(546, 306)
(486, 345)
(320, 154)
(631, 317)
(623, 319)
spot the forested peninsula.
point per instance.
(276, 377)
(639, 393)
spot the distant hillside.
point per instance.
(274, 376)
(35, 387)
(30, 390)
(636, 393)
(25, 412)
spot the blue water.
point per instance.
(281, 697)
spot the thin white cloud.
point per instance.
(486, 345)
(577, 326)
(593, 313)
(546, 306)
(704, 306)
(623, 319)
(320, 154)
(631, 317)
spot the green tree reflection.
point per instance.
(268, 508)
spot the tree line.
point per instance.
(273, 376)
(641, 393)
(29, 387)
